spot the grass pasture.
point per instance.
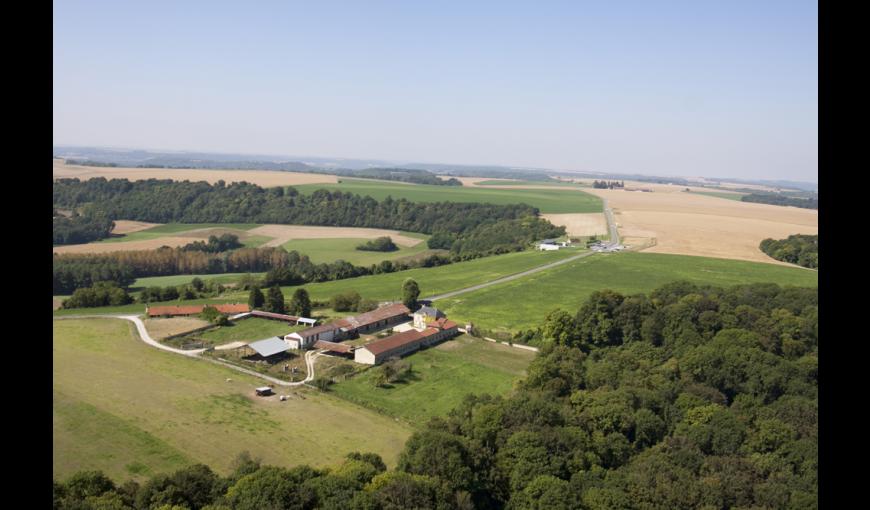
(132, 411)
(331, 250)
(169, 229)
(183, 279)
(548, 201)
(434, 280)
(441, 377)
(247, 330)
(524, 303)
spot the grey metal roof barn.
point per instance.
(269, 346)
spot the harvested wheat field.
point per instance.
(162, 328)
(690, 224)
(259, 177)
(284, 233)
(579, 224)
(128, 227)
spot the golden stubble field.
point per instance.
(688, 224)
(259, 177)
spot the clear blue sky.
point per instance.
(695, 88)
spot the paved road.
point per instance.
(310, 356)
(509, 278)
(611, 224)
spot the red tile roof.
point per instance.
(384, 312)
(332, 346)
(393, 342)
(270, 315)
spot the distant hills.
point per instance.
(353, 167)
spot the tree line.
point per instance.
(166, 201)
(778, 199)
(688, 397)
(608, 184)
(799, 249)
(77, 270)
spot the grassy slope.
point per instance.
(548, 201)
(524, 303)
(248, 330)
(442, 376)
(434, 280)
(131, 410)
(330, 250)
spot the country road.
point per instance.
(197, 353)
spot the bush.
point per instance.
(380, 244)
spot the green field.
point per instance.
(441, 377)
(434, 280)
(524, 303)
(182, 279)
(176, 228)
(131, 410)
(729, 196)
(248, 330)
(548, 201)
(330, 250)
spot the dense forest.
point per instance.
(83, 228)
(779, 199)
(799, 249)
(689, 397)
(166, 201)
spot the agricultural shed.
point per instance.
(306, 320)
(269, 346)
(403, 343)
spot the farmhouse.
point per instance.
(181, 311)
(425, 315)
(403, 343)
(305, 338)
(377, 319)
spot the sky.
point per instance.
(694, 88)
